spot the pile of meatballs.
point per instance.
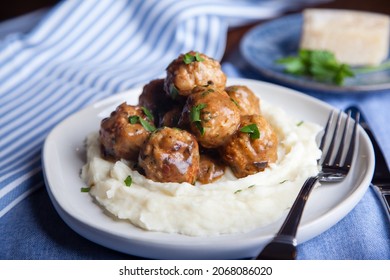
(190, 127)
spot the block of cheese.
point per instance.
(355, 37)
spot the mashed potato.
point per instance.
(229, 205)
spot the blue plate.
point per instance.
(265, 43)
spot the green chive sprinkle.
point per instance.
(173, 91)
(195, 116)
(128, 181)
(149, 127)
(195, 112)
(148, 113)
(136, 119)
(235, 102)
(133, 119)
(252, 130)
(189, 58)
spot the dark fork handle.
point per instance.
(280, 248)
(283, 246)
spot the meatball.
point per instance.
(190, 70)
(245, 99)
(154, 98)
(121, 134)
(247, 153)
(171, 118)
(210, 169)
(170, 155)
(211, 116)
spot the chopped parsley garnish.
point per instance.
(195, 116)
(235, 102)
(148, 126)
(148, 113)
(200, 128)
(173, 91)
(198, 57)
(252, 130)
(136, 119)
(300, 123)
(240, 190)
(320, 65)
(133, 119)
(128, 181)
(86, 189)
(188, 58)
(284, 181)
(195, 112)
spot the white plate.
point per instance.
(63, 157)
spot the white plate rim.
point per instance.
(155, 245)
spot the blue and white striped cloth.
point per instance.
(82, 51)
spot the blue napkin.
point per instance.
(82, 51)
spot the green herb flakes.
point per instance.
(85, 189)
(173, 91)
(148, 126)
(195, 112)
(128, 181)
(319, 65)
(147, 113)
(195, 116)
(252, 130)
(240, 190)
(189, 58)
(235, 102)
(198, 57)
(300, 123)
(136, 119)
(133, 119)
(200, 128)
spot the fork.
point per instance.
(337, 155)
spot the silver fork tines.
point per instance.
(337, 145)
(337, 155)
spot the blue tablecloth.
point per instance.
(29, 225)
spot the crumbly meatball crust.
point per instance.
(248, 156)
(182, 78)
(118, 137)
(170, 155)
(245, 99)
(219, 117)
